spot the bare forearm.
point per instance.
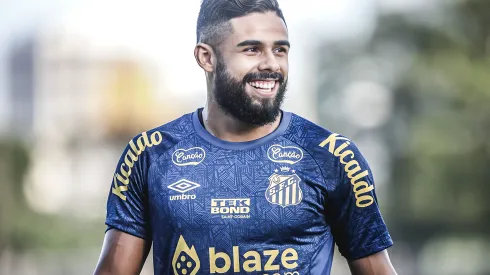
(122, 254)
(376, 264)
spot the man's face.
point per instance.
(251, 70)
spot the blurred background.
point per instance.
(408, 81)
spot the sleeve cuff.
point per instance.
(373, 249)
(130, 231)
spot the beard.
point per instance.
(232, 98)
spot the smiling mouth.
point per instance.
(264, 86)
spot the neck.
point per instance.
(226, 127)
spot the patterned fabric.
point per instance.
(275, 205)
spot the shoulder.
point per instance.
(329, 149)
(312, 136)
(178, 128)
(154, 142)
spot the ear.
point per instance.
(205, 57)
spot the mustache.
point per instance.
(263, 75)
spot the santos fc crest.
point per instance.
(284, 189)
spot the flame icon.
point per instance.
(185, 261)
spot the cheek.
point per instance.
(242, 66)
(284, 64)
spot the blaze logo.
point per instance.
(253, 260)
(361, 188)
(185, 261)
(284, 189)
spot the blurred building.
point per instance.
(76, 106)
(21, 74)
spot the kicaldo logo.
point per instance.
(361, 188)
(136, 148)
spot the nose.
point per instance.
(269, 63)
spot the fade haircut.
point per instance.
(213, 21)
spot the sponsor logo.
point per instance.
(354, 171)
(284, 189)
(231, 208)
(274, 260)
(130, 158)
(183, 186)
(284, 154)
(192, 156)
(185, 260)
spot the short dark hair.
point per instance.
(213, 21)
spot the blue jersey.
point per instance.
(276, 205)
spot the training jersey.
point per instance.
(275, 205)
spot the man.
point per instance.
(241, 186)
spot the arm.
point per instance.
(376, 264)
(353, 212)
(128, 240)
(122, 254)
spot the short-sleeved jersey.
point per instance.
(276, 205)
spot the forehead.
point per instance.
(258, 26)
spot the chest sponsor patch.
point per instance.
(191, 156)
(284, 154)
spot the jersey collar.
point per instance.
(203, 133)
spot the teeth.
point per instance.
(263, 84)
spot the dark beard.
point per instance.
(232, 98)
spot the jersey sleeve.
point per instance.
(357, 225)
(127, 204)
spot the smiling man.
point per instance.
(241, 186)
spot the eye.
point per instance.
(281, 50)
(251, 49)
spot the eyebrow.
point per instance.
(259, 43)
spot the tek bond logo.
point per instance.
(231, 208)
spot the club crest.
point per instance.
(284, 188)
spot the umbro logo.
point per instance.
(182, 186)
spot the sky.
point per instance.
(164, 32)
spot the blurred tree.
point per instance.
(14, 162)
(21, 228)
(441, 180)
(437, 64)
